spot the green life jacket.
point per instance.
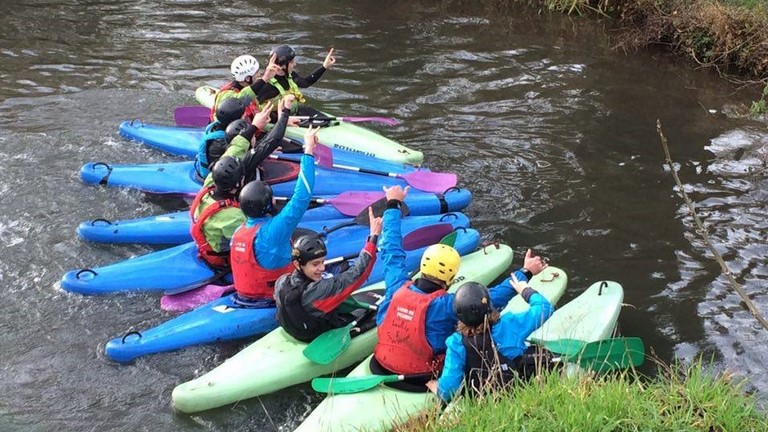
(292, 89)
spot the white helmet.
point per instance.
(244, 66)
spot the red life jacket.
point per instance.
(403, 347)
(205, 251)
(251, 279)
(251, 110)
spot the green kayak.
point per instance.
(341, 135)
(590, 317)
(276, 361)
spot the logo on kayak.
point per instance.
(350, 149)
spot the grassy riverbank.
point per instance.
(729, 35)
(689, 399)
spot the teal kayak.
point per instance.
(341, 135)
(276, 361)
(590, 317)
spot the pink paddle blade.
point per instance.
(352, 203)
(389, 121)
(192, 116)
(189, 300)
(429, 181)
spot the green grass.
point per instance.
(680, 399)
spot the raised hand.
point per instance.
(534, 264)
(376, 222)
(310, 140)
(261, 119)
(518, 285)
(396, 192)
(272, 69)
(330, 60)
(286, 102)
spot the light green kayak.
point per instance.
(590, 317)
(276, 361)
(341, 135)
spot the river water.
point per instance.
(552, 131)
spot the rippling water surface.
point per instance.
(553, 132)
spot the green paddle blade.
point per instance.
(351, 384)
(610, 354)
(568, 347)
(329, 345)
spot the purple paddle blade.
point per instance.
(352, 203)
(192, 116)
(426, 236)
(189, 300)
(429, 181)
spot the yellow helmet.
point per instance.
(440, 262)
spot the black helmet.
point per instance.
(215, 149)
(284, 55)
(472, 303)
(228, 172)
(308, 247)
(235, 128)
(229, 110)
(256, 199)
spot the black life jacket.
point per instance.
(292, 316)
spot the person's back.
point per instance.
(307, 301)
(423, 310)
(489, 350)
(261, 251)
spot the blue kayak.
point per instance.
(174, 228)
(223, 319)
(179, 178)
(347, 142)
(179, 269)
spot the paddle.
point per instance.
(389, 121)
(427, 181)
(348, 203)
(330, 345)
(192, 116)
(614, 353)
(363, 218)
(196, 116)
(188, 300)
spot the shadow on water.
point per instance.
(553, 133)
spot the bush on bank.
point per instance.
(730, 35)
(679, 399)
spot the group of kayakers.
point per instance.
(236, 227)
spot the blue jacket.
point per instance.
(272, 245)
(509, 335)
(441, 320)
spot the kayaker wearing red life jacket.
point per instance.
(245, 85)
(416, 317)
(307, 302)
(215, 213)
(488, 349)
(261, 251)
(287, 81)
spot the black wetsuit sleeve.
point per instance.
(266, 93)
(265, 147)
(304, 82)
(257, 86)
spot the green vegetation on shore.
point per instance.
(679, 399)
(729, 35)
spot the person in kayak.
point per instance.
(488, 351)
(213, 143)
(245, 85)
(261, 252)
(416, 316)
(287, 81)
(215, 213)
(307, 300)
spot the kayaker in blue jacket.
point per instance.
(261, 252)
(287, 81)
(416, 317)
(488, 350)
(214, 143)
(309, 300)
